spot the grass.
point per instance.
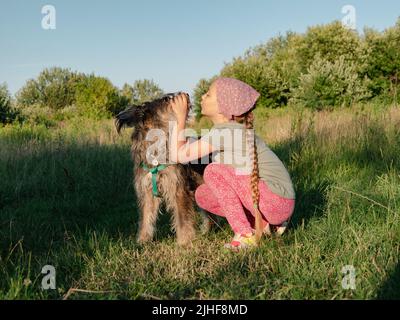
(67, 200)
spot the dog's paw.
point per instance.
(205, 226)
(206, 222)
(185, 239)
(143, 239)
(185, 243)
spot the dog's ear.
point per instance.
(137, 114)
(130, 117)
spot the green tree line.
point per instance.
(325, 67)
(59, 93)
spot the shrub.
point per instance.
(259, 74)
(330, 41)
(54, 88)
(96, 97)
(383, 61)
(7, 112)
(277, 68)
(328, 85)
(141, 91)
(38, 115)
(201, 88)
(272, 69)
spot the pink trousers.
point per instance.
(227, 194)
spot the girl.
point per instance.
(264, 193)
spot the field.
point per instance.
(67, 200)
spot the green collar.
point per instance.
(154, 171)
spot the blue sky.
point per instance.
(175, 42)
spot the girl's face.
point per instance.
(209, 105)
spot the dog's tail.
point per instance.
(128, 118)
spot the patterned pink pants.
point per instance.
(229, 195)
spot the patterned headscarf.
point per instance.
(234, 97)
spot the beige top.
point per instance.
(231, 142)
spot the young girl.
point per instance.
(265, 192)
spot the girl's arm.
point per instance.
(182, 151)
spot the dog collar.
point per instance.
(154, 171)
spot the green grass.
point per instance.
(66, 199)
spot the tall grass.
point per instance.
(66, 199)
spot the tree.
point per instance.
(383, 60)
(141, 91)
(97, 97)
(330, 84)
(201, 88)
(7, 112)
(330, 41)
(273, 69)
(54, 88)
(287, 65)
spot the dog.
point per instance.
(155, 180)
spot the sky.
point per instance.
(175, 43)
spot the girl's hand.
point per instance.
(180, 105)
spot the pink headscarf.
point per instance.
(234, 97)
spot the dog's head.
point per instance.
(152, 114)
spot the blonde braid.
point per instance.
(254, 179)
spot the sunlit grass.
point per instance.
(66, 199)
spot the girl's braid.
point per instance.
(248, 119)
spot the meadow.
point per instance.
(67, 200)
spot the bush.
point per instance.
(383, 61)
(328, 85)
(141, 91)
(272, 69)
(259, 74)
(289, 68)
(38, 115)
(54, 88)
(66, 113)
(201, 88)
(7, 113)
(330, 41)
(96, 97)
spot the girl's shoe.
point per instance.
(279, 230)
(267, 228)
(282, 228)
(242, 241)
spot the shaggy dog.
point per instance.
(155, 183)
